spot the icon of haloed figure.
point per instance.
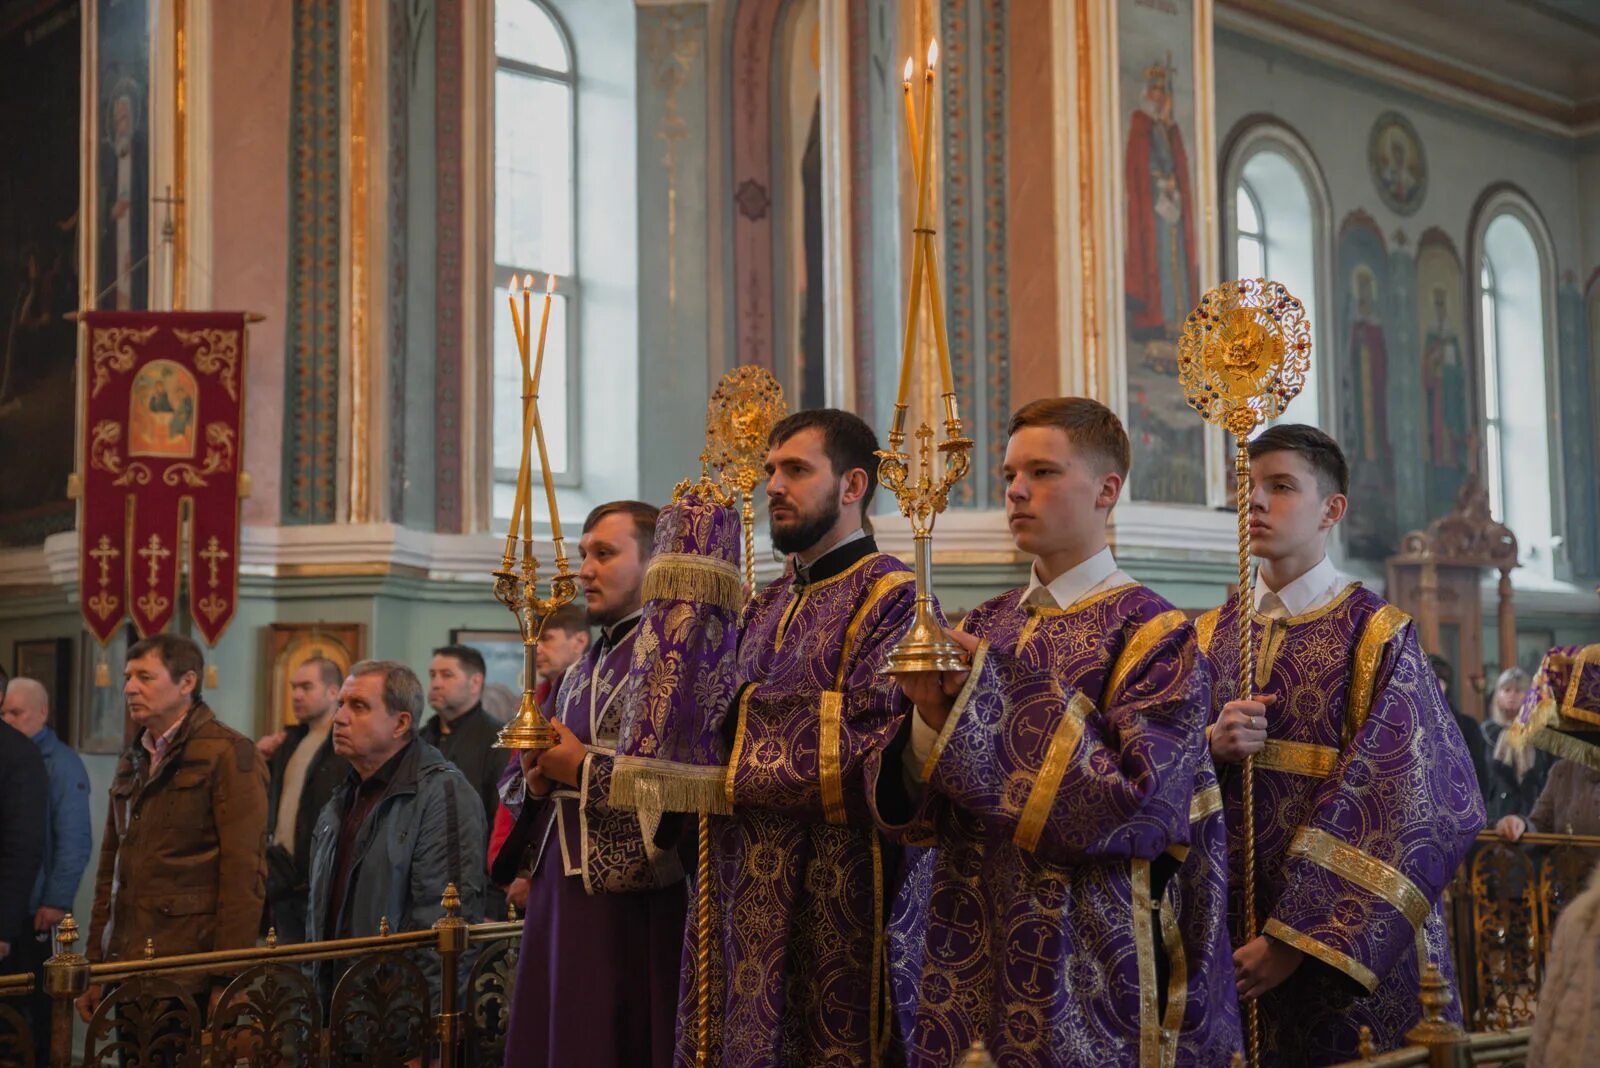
(163, 416)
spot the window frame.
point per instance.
(569, 287)
(1506, 199)
(1258, 236)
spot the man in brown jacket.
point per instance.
(191, 877)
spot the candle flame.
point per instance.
(515, 285)
(910, 67)
(550, 284)
(527, 281)
(933, 54)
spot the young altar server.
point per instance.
(1365, 797)
(799, 872)
(1072, 912)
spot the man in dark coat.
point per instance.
(23, 786)
(402, 827)
(465, 734)
(305, 772)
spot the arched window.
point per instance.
(1277, 228)
(1514, 271)
(534, 229)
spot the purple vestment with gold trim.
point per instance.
(1365, 804)
(798, 974)
(597, 971)
(1072, 912)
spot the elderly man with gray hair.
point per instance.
(404, 824)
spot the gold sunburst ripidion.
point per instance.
(747, 403)
(1244, 354)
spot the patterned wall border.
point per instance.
(997, 287)
(861, 154)
(751, 65)
(448, 422)
(955, 21)
(311, 375)
(401, 30)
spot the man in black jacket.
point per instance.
(465, 734)
(23, 788)
(305, 773)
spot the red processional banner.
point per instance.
(163, 403)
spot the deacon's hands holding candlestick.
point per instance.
(934, 692)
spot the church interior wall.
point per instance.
(1333, 110)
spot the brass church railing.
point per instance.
(1502, 908)
(271, 1012)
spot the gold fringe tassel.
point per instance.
(682, 577)
(669, 785)
(1566, 746)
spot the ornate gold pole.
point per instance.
(1244, 355)
(747, 403)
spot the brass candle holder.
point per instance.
(516, 582)
(925, 646)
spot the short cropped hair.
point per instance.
(1316, 448)
(327, 670)
(570, 617)
(178, 654)
(644, 521)
(467, 656)
(1088, 424)
(846, 439)
(402, 691)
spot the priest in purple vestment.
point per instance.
(1365, 796)
(799, 873)
(597, 974)
(1071, 910)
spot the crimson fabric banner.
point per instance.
(163, 403)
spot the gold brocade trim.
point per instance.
(1272, 634)
(1298, 758)
(1037, 612)
(1314, 613)
(1144, 639)
(1381, 628)
(880, 589)
(1177, 982)
(1145, 950)
(1276, 928)
(738, 742)
(875, 1011)
(1205, 627)
(1565, 746)
(963, 699)
(1363, 869)
(1205, 803)
(830, 778)
(1588, 656)
(1063, 744)
(685, 577)
(671, 785)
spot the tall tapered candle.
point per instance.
(530, 409)
(914, 301)
(519, 330)
(538, 424)
(941, 337)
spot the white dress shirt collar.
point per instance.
(1072, 585)
(1307, 593)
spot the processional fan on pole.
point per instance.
(1243, 356)
(516, 583)
(925, 647)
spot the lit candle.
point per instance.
(914, 298)
(519, 504)
(941, 336)
(538, 423)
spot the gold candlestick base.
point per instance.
(925, 646)
(528, 729)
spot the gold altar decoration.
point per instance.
(925, 647)
(516, 583)
(1243, 356)
(747, 403)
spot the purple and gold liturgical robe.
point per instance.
(1072, 912)
(1365, 803)
(798, 868)
(1561, 713)
(597, 975)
